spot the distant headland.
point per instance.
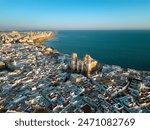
(26, 37)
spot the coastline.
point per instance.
(40, 80)
(109, 47)
(26, 37)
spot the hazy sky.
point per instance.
(74, 14)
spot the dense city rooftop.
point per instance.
(36, 78)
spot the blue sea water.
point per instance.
(128, 48)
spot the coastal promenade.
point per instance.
(37, 78)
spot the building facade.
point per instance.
(85, 66)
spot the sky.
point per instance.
(74, 14)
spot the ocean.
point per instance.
(126, 48)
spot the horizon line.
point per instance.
(135, 29)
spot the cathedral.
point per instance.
(85, 66)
